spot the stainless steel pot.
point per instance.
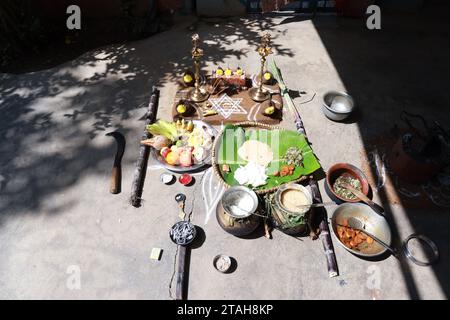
(337, 106)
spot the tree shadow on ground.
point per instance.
(52, 122)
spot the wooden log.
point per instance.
(180, 291)
(144, 152)
(325, 235)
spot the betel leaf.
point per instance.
(279, 141)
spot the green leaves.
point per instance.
(279, 141)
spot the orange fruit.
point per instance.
(172, 158)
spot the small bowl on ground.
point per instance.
(337, 106)
(185, 179)
(374, 223)
(340, 169)
(222, 263)
(167, 178)
(183, 233)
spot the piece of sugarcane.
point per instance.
(317, 197)
(144, 152)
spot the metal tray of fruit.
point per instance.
(198, 166)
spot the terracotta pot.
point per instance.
(339, 169)
(413, 170)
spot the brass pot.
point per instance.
(233, 219)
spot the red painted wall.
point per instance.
(355, 8)
(89, 8)
(165, 5)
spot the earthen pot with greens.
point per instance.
(345, 173)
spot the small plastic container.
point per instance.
(185, 179)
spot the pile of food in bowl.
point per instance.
(351, 238)
(355, 241)
(341, 181)
(180, 143)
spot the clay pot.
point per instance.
(411, 170)
(345, 168)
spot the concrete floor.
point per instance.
(57, 217)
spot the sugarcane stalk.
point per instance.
(144, 152)
(325, 235)
(317, 197)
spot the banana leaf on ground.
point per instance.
(279, 140)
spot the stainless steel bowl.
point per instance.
(195, 167)
(374, 223)
(337, 106)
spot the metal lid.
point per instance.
(424, 240)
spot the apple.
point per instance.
(186, 157)
(164, 151)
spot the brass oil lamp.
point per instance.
(197, 95)
(258, 94)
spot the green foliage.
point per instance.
(19, 28)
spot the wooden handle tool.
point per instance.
(375, 207)
(116, 175)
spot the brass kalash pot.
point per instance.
(236, 211)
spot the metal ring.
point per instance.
(427, 241)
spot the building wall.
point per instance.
(90, 8)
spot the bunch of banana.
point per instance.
(182, 125)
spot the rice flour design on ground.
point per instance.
(226, 106)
